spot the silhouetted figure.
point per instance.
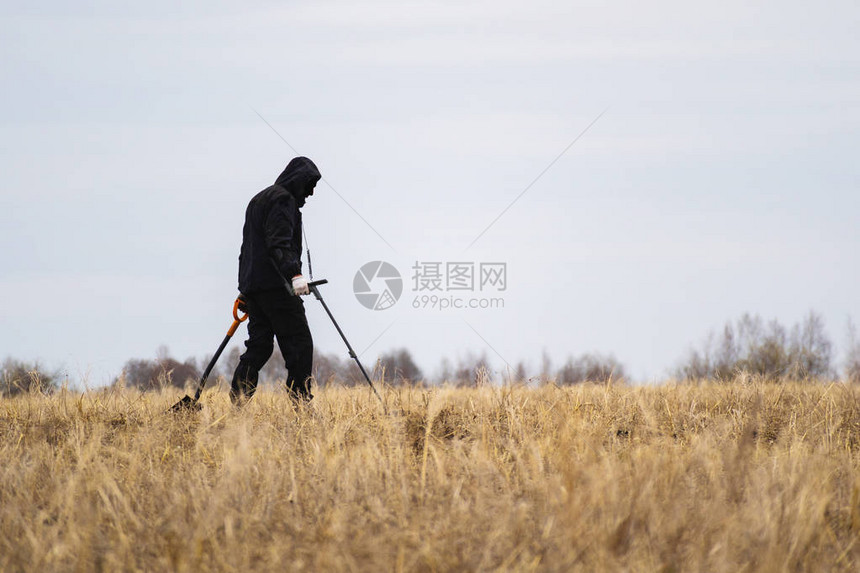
(271, 282)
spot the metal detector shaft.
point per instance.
(313, 288)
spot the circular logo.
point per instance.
(377, 285)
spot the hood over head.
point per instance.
(297, 176)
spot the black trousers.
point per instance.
(278, 314)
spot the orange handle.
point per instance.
(236, 316)
(237, 320)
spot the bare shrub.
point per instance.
(328, 368)
(23, 377)
(767, 350)
(810, 350)
(852, 356)
(155, 374)
(472, 370)
(228, 363)
(590, 368)
(400, 368)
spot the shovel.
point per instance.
(189, 404)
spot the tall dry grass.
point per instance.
(736, 477)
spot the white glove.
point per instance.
(300, 285)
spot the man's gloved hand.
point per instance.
(300, 285)
(243, 304)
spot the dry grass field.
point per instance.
(737, 477)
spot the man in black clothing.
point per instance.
(270, 280)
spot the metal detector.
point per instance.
(312, 286)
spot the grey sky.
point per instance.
(722, 179)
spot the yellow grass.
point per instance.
(738, 477)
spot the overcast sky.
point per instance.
(721, 179)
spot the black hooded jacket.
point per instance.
(272, 237)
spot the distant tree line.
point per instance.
(748, 345)
(395, 368)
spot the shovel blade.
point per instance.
(187, 404)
